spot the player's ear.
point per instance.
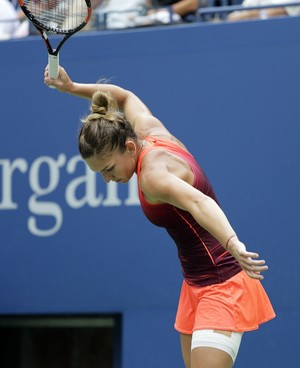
(130, 146)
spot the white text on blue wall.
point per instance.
(45, 176)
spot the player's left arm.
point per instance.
(161, 185)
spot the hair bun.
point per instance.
(100, 103)
(98, 110)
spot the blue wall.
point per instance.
(72, 244)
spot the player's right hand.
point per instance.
(63, 82)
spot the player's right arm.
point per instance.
(125, 98)
(136, 112)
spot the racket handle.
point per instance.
(53, 65)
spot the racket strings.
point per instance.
(59, 16)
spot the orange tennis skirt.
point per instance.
(238, 304)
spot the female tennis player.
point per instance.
(221, 296)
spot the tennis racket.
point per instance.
(58, 17)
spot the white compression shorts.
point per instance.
(215, 339)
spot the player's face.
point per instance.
(115, 166)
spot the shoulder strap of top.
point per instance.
(159, 143)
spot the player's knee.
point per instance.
(225, 341)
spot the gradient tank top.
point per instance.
(204, 261)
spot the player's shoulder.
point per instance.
(154, 178)
(159, 167)
(156, 159)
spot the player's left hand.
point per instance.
(248, 260)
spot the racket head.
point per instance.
(57, 16)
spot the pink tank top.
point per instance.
(203, 259)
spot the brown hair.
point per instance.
(105, 129)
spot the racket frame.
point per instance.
(53, 54)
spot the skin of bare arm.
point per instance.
(168, 181)
(185, 6)
(255, 14)
(136, 112)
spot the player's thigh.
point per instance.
(207, 357)
(214, 348)
(186, 341)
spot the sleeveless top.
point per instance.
(204, 261)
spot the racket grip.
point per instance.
(53, 65)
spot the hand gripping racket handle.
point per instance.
(53, 65)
